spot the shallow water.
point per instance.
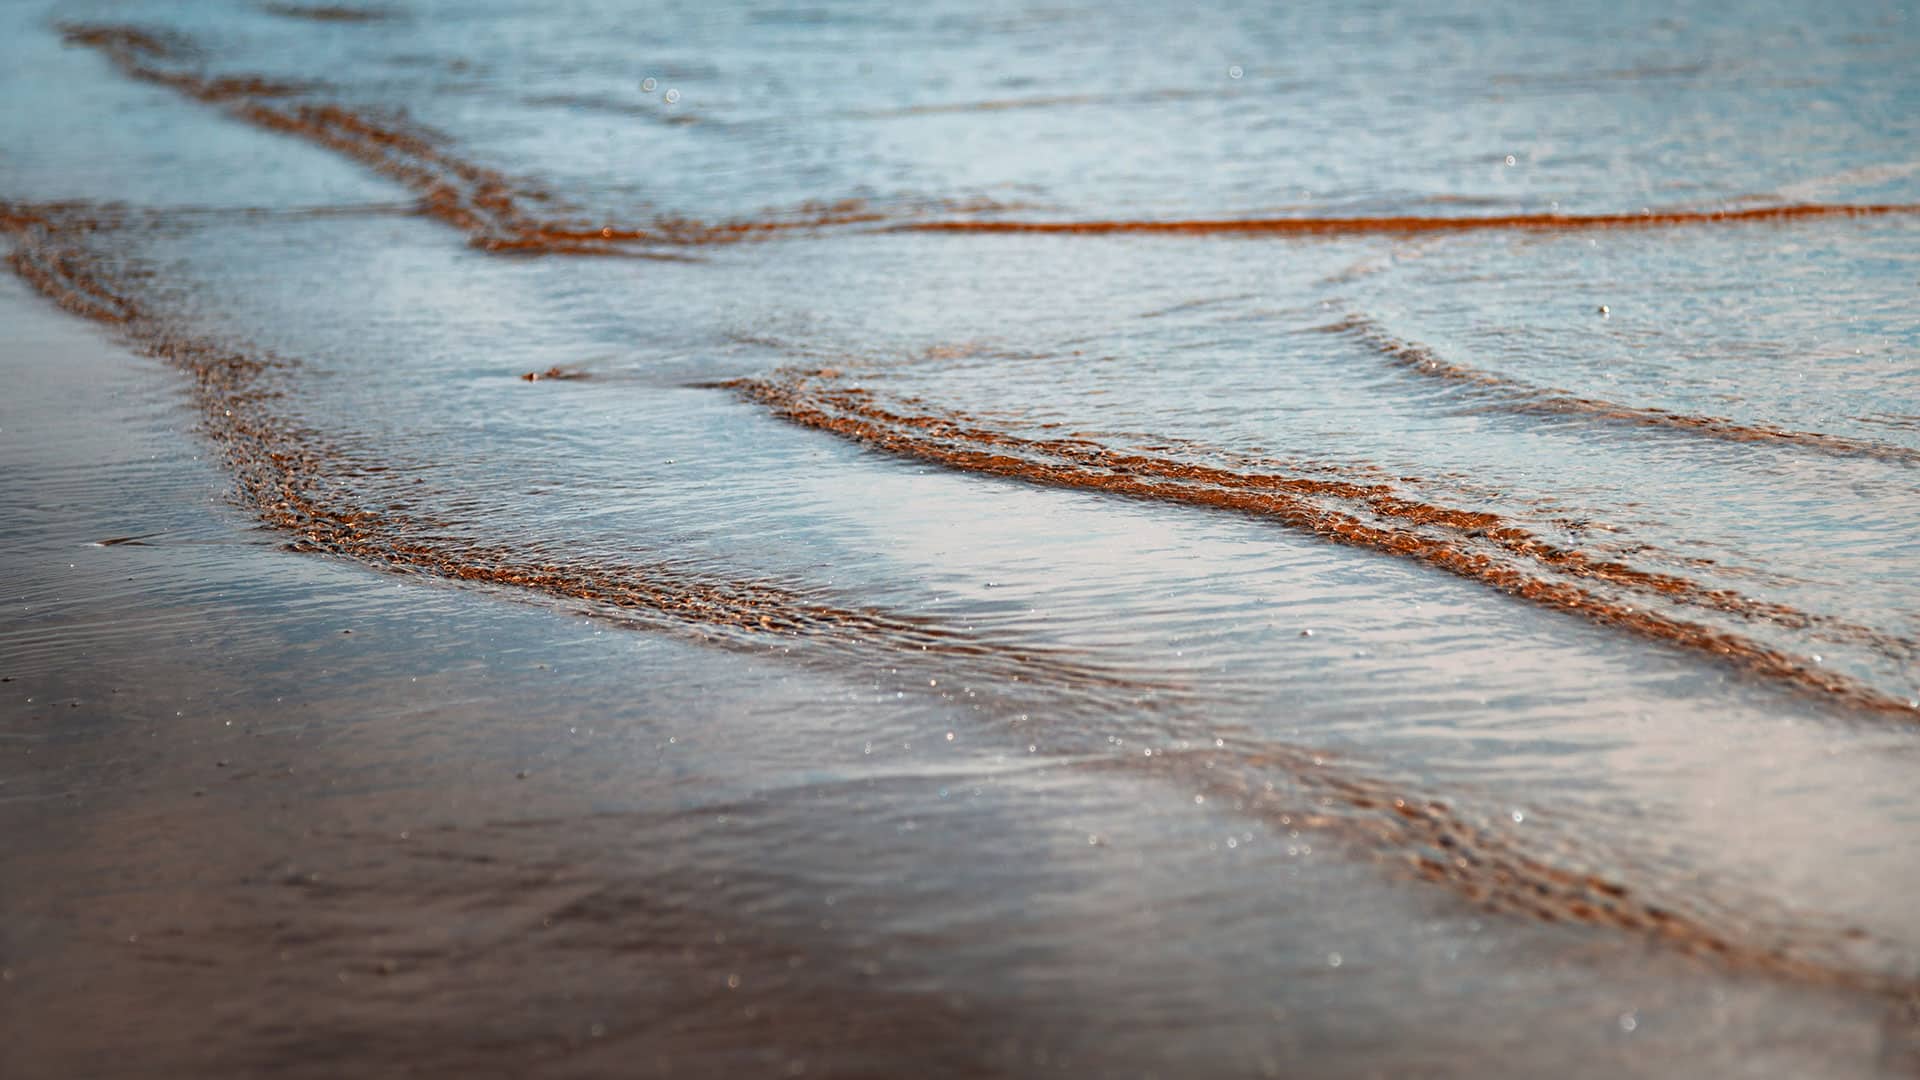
(1351, 539)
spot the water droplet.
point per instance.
(1234, 72)
(733, 982)
(673, 96)
(1511, 160)
(1518, 817)
(648, 84)
(1628, 1022)
(1334, 960)
(949, 736)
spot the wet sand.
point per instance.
(277, 813)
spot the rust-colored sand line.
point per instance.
(1412, 224)
(1379, 490)
(492, 209)
(1534, 876)
(1462, 546)
(54, 269)
(1515, 395)
(294, 481)
(1379, 499)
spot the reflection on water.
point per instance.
(1086, 540)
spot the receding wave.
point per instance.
(491, 208)
(495, 211)
(291, 479)
(311, 489)
(1476, 545)
(1515, 395)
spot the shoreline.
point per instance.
(307, 818)
(428, 653)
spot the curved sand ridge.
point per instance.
(1514, 395)
(494, 210)
(292, 478)
(1479, 546)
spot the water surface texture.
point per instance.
(964, 539)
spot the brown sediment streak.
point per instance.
(485, 204)
(142, 54)
(552, 373)
(491, 209)
(1380, 500)
(1396, 224)
(1516, 396)
(1532, 877)
(51, 272)
(54, 269)
(1474, 545)
(292, 481)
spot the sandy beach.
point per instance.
(861, 568)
